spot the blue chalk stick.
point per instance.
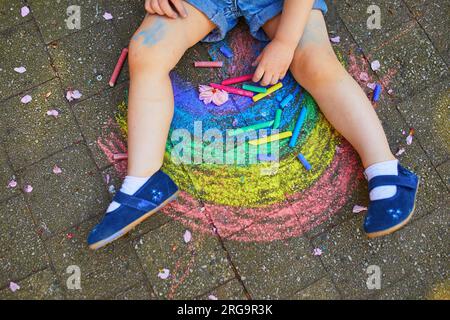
(377, 92)
(298, 127)
(226, 52)
(304, 162)
(286, 100)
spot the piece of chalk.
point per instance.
(256, 126)
(232, 90)
(254, 88)
(226, 51)
(286, 101)
(304, 162)
(298, 127)
(120, 156)
(240, 79)
(271, 90)
(208, 64)
(277, 121)
(274, 137)
(377, 92)
(118, 68)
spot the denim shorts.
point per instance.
(225, 13)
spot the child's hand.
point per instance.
(164, 8)
(273, 63)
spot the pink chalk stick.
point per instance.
(120, 156)
(240, 79)
(233, 90)
(208, 64)
(118, 68)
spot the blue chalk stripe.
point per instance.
(304, 162)
(298, 127)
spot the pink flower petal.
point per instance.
(107, 16)
(73, 95)
(13, 286)
(400, 152)
(53, 113)
(28, 188)
(12, 184)
(20, 70)
(358, 209)
(212, 297)
(409, 139)
(371, 85)
(26, 99)
(317, 252)
(187, 237)
(24, 11)
(336, 39)
(375, 65)
(57, 170)
(164, 274)
(363, 76)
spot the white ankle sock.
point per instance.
(385, 168)
(129, 186)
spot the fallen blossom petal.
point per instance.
(53, 113)
(400, 152)
(57, 170)
(336, 39)
(187, 237)
(371, 85)
(20, 70)
(12, 184)
(107, 16)
(390, 91)
(363, 76)
(212, 297)
(375, 65)
(409, 139)
(358, 209)
(24, 11)
(209, 94)
(13, 286)
(28, 188)
(73, 95)
(164, 274)
(26, 99)
(317, 252)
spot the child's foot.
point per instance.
(388, 214)
(130, 210)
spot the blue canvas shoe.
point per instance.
(388, 215)
(157, 192)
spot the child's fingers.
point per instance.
(180, 7)
(257, 61)
(156, 7)
(275, 79)
(267, 78)
(259, 72)
(148, 7)
(167, 9)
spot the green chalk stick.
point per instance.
(254, 88)
(256, 126)
(276, 123)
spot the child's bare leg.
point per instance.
(155, 49)
(317, 69)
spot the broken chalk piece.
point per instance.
(271, 90)
(277, 121)
(118, 68)
(232, 90)
(208, 64)
(256, 126)
(304, 162)
(254, 88)
(298, 127)
(120, 156)
(240, 79)
(274, 137)
(377, 92)
(226, 51)
(286, 101)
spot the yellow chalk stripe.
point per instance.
(271, 90)
(274, 137)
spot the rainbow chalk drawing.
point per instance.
(237, 201)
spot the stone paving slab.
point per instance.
(323, 289)
(6, 174)
(139, 292)
(22, 253)
(277, 269)
(22, 47)
(29, 134)
(10, 14)
(444, 172)
(51, 16)
(61, 201)
(232, 290)
(195, 267)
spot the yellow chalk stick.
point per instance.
(274, 137)
(271, 90)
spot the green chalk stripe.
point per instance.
(256, 126)
(276, 123)
(254, 88)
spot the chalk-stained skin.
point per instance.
(152, 34)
